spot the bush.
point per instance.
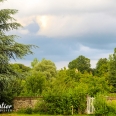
(25, 111)
(40, 107)
(57, 105)
(28, 111)
(21, 111)
(112, 107)
(101, 107)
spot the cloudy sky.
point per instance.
(65, 29)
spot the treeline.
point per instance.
(61, 88)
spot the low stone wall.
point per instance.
(110, 98)
(25, 102)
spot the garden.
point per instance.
(64, 91)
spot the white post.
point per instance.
(72, 109)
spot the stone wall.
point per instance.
(111, 98)
(25, 102)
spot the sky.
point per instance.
(65, 29)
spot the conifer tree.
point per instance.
(9, 49)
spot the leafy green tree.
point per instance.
(81, 63)
(9, 49)
(94, 84)
(112, 70)
(34, 62)
(20, 68)
(34, 84)
(47, 67)
(102, 67)
(65, 92)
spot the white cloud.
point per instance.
(25, 21)
(59, 6)
(61, 64)
(75, 25)
(64, 18)
(93, 63)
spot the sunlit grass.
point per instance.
(12, 114)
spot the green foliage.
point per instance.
(9, 49)
(62, 103)
(100, 104)
(58, 104)
(40, 107)
(102, 67)
(25, 111)
(28, 111)
(79, 94)
(103, 106)
(20, 68)
(34, 62)
(34, 84)
(47, 67)
(81, 63)
(112, 71)
(21, 111)
(63, 93)
(10, 87)
(111, 107)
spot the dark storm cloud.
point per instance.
(68, 48)
(98, 41)
(54, 49)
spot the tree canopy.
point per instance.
(81, 63)
(112, 70)
(102, 67)
(47, 67)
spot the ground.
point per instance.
(32, 115)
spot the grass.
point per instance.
(12, 114)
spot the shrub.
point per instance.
(25, 111)
(21, 111)
(100, 104)
(28, 111)
(40, 107)
(58, 104)
(112, 107)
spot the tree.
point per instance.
(34, 84)
(112, 70)
(81, 63)
(34, 62)
(64, 92)
(102, 67)
(20, 68)
(9, 49)
(47, 67)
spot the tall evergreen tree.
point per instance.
(9, 49)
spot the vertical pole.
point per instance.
(72, 109)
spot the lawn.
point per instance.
(33, 115)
